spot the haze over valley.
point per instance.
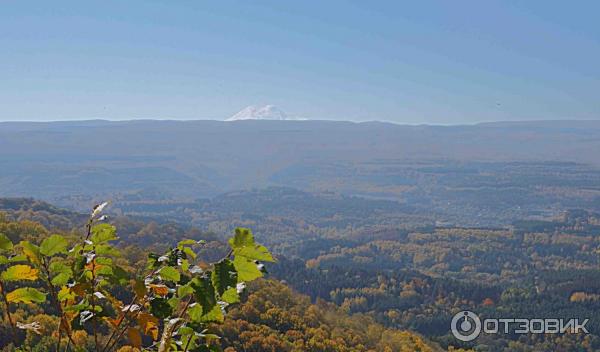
(473, 175)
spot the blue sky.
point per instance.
(439, 62)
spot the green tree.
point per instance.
(168, 308)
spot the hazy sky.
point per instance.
(404, 61)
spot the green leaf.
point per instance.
(188, 337)
(224, 276)
(246, 269)
(26, 295)
(104, 261)
(184, 290)
(104, 270)
(61, 279)
(20, 272)
(31, 251)
(169, 273)
(5, 243)
(189, 252)
(185, 265)
(174, 302)
(195, 313)
(185, 330)
(106, 249)
(12, 259)
(17, 258)
(243, 245)
(243, 237)
(79, 265)
(65, 294)
(53, 245)
(160, 308)
(61, 271)
(83, 305)
(214, 315)
(75, 251)
(230, 296)
(185, 243)
(57, 267)
(120, 276)
(256, 252)
(204, 292)
(103, 233)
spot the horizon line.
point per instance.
(293, 121)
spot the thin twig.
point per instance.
(122, 331)
(63, 321)
(121, 319)
(13, 328)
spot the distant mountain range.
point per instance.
(190, 159)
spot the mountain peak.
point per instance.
(253, 112)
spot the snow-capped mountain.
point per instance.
(267, 112)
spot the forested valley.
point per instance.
(362, 288)
(265, 315)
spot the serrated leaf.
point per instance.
(184, 290)
(104, 270)
(60, 279)
(204, 292)
(148, 324)
(224, 276)
(31, 251)
(243, 245)
(120, 276)
(83, 305)
(26, 295)
(243, 237)
(103, 260)
(246, 269)
(230, 296)
(185, 330)
(58, 267)
(188, 338)
(256, 252)
(169, 273)
(53, 245)
(185, 265)
(189, 252)
(102, 233)
(215, 315)
(20, 272)
(17, 258)
(106, 249)
(160, 308)
(195, 313)
(174, 302)
(65, 294)
(5, 243)
(186, 242)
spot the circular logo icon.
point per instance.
(466, 326)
